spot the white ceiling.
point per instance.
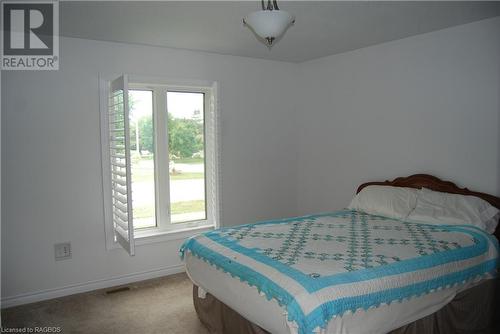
(321, 28)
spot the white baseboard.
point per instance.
(89, 286)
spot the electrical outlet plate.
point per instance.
(62, 251)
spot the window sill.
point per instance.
(155, 236)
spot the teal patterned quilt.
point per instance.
(320, 266)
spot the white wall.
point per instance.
(428, 103)
(52, 168)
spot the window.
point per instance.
(159, 159)
(142, 158)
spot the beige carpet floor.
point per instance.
(162, 305)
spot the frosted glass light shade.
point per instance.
(269, 24)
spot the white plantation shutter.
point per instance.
(212, 156)
(119, 158)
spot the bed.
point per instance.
(347, 271)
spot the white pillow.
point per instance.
(436, 207)
(394, 202)
(492, 223)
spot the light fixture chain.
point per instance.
(269, 5)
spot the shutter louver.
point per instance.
(119, 155)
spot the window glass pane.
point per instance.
(142, 157)
(186, 144)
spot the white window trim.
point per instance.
(168, 232)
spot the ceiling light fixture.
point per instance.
(270, 23)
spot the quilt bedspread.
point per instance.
(321, 266)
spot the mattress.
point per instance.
(350, 255)
(267, 314)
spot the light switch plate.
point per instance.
(62, 251)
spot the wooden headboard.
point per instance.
(431, 182)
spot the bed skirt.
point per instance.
(471, 311)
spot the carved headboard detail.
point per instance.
(431, 182)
